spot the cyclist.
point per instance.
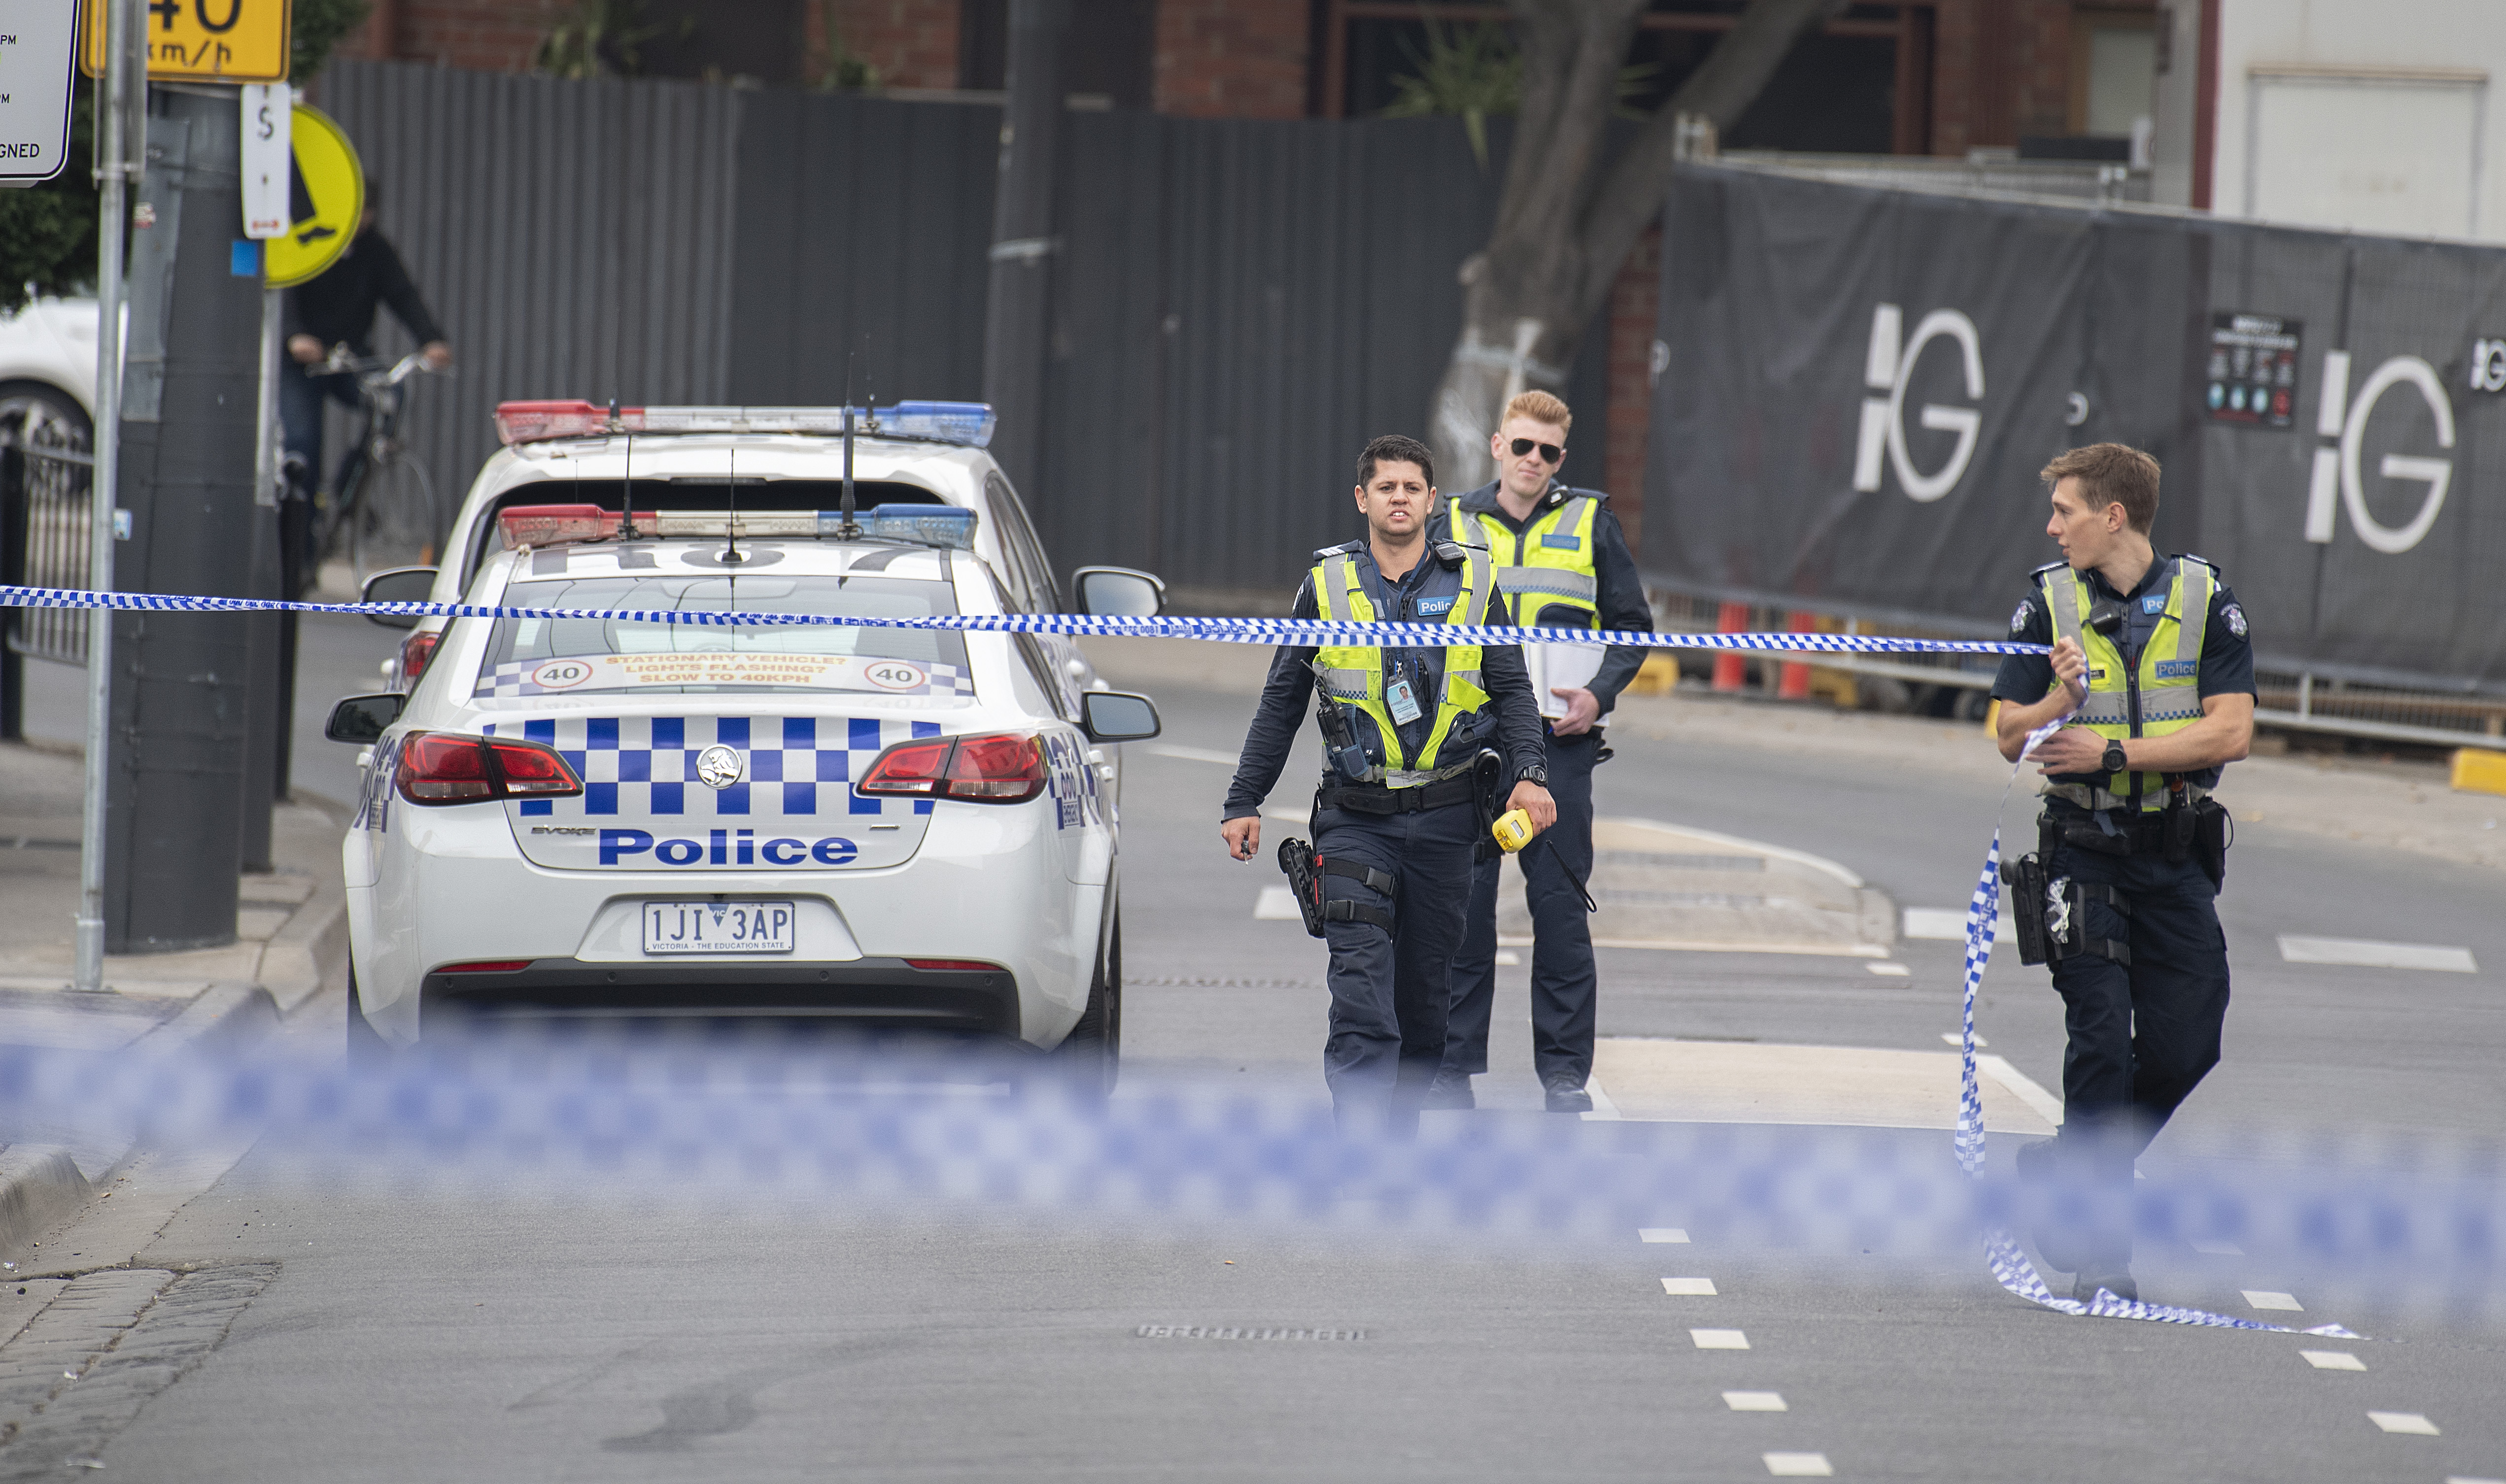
(339, 309)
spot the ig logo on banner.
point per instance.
(2336, 464)
(1887, 369)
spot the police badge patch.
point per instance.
(2235, 617)
(2019, 620)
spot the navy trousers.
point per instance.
(1565, 985)
(1389, 990)
(2143, 1035)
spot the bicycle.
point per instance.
(385, 503)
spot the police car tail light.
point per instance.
(997, 768)
(548, 525)
(415, 651)
(438, 767)
(1003, 768)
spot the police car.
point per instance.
(605, 818)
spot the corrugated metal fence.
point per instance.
(1237, 305)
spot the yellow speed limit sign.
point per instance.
(325, 199)
(219, 41)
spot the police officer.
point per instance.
(1561, 562)
(1397, 812)
(2152, 665)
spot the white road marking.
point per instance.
(1507, 958)
(1756, 848)
(2455, 1478)
(2218, 1248)
(1798, 1465)
(1277, 903)
(1661, 1234)
(2367, 953)
(1949, 925)
(1689, 1288)
(1603, 1110)
(2046, 1106)
(1719, 1339)
(1955, 1038)
(1755, 1401)
(1191, 754)
(2333, 1360)
(2404, 1422)
(1889, 971)
(2265, 1299)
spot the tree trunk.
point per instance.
(1563, 227)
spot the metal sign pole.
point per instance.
(121, 144)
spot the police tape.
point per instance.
(2002, 1253)
(1299, 631)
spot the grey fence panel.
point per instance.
(573, 238)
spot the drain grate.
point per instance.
(1660, 861)
(1241, 1333)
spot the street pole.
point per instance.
(122, 142)
(1018, 327)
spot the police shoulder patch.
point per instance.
(1331, 551)
(2019, 618)
(2235, 617)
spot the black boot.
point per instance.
(1567, 1094)
(1449, 1092)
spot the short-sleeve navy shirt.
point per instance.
(2227, 649)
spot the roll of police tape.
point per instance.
(2002, 1253)
(1298, 631)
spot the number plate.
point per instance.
(718, 927)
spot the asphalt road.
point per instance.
(521, 1332)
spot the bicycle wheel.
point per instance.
(394, 521)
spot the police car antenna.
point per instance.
(730, 556)
(851, 529)
(625, 480)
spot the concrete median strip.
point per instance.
(1712, 1082)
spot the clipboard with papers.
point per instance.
(1561, 666)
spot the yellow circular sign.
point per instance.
(325, 198)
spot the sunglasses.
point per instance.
(1549, 452)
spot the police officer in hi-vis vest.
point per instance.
(1561, 562)
(2151, 666)
(1397, 812)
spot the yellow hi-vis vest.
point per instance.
(2164, 695)
(1355, 675)
(1552, 564)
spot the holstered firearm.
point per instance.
(1304, 882)
(1306, 871)
(1488, 773)
(1339, 737)
(2052, 916)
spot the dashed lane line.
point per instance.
(2333, 1360)
(1953, 1039)
(1755, 1401)
(2414, 1423)
(1889, 971)
(1689, 1288)
(1947, 925)
(1798, 1465)
(2368, 953)
(1662, 1234)
(1276, 903)
(1719, 1339)
(2265, 1299)
(1192, 754)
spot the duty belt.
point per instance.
(1370, 799)
(2086, 797)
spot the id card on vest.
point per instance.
(1557, 666)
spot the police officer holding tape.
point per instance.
(2152, 664)
(1561, 562)
(1404, 792)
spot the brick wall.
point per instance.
(1630, 324)
(1233, 58)
(913, 43)
(475, 35)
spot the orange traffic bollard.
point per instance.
(1795, 683)
(1731, 671)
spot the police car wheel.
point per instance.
(1091, 1057)
(366, 1050)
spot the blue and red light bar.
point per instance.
(967, 424)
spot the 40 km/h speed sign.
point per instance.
(326, 200)
(218, 41)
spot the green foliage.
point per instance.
(600, 38)
(1473, 71)
(47, 232)
(314, 27)
(841, 69)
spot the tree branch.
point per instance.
(1721, 90)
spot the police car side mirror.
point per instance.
(361, 719)
(1118, 592)
(1113, 715)
(401, 585)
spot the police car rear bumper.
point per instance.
(875, 991)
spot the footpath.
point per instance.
(291, 940)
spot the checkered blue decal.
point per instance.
(642, 766)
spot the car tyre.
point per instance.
(1089, 1059)
(368, 1051)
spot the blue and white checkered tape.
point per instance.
(645, 766)
(1293, 631)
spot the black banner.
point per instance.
(1862, 385)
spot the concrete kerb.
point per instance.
(40, 1187)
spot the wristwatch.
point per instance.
(1535, 773)
(2113, 760)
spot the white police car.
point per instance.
(605, 818)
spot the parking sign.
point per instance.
(37, 42)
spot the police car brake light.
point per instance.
(548, 526)
(415, 651)
(966, 423)
(997, 768)
(438, 767)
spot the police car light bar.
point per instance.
(968, 424)
(551, 525)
